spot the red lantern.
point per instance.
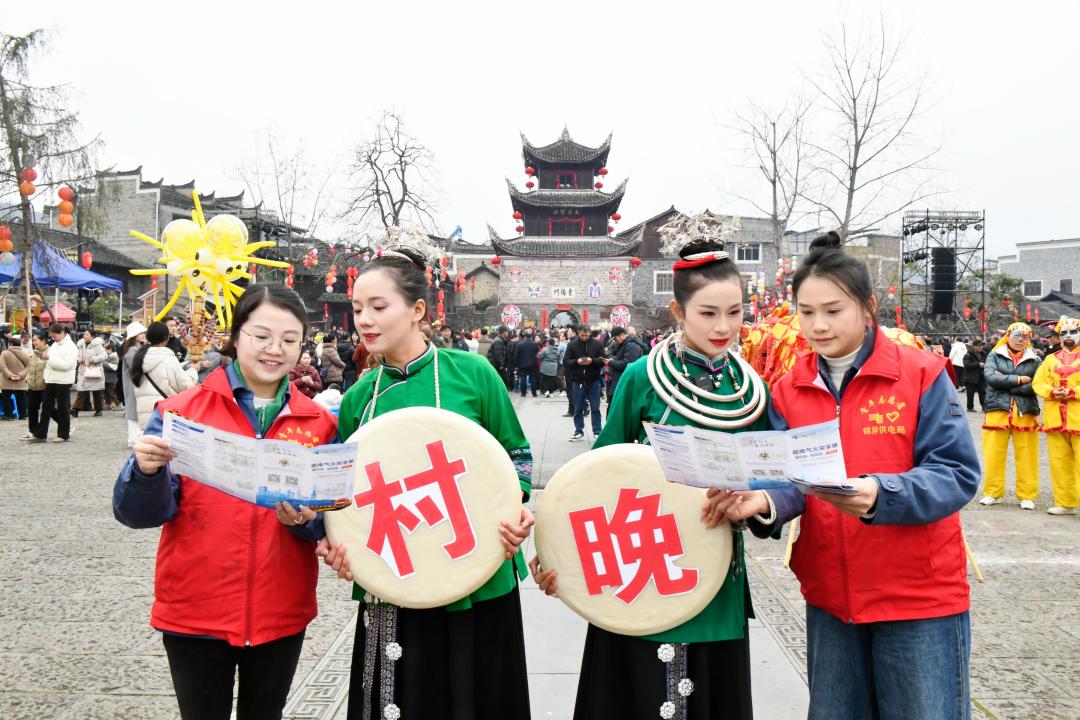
(427, 275)
(27, 188)
(66, 193)
(289, 281)
(585, 316)
(1027, 315)
(599, 185)
(610, 228)
(635, 262)
(325, 311)
(899, 315)
(251, 269)
(440, 309)
(530, 170)
(6, 246)
(530, 185)
(5, 232)
(602, 171)
(473, 285)
(1036, 316)
(153, 283)
(441, 296)
(87, 259)
(496, 261)
(65, 219)
(66, 206)
(518, 215)
(29, 174)
(519, 228)
(616, 217)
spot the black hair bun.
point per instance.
(828, 241)
(697, 247)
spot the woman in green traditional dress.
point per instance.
(465, 660)
(694, 377)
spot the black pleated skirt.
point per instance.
(467, 665)
(623, 677)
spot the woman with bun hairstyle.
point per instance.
(692, 378)
(883, 571)
(466, 659)
(234, 584)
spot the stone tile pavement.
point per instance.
(76, 600)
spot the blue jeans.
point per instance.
(581, 393)
(908, 669)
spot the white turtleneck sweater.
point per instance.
(838, 367)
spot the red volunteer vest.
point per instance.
(867, 573)
(225, 567)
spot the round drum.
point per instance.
(632, 554)
(431, 489)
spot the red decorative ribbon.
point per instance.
(703, 260)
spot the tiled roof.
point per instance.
(566, 246)
(565, 150)
(566, 198)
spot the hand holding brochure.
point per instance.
(809, 458)
(262, 471)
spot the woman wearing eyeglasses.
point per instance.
(235, 583)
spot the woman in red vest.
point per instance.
(234, 586)
(883, 571)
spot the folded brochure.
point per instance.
(262, 471)
(809, 458)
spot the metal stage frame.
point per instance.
(963, 233)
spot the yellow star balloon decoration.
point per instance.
(207, 258)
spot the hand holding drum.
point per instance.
(436, 509)
(624, 548)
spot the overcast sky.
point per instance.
(183, 89)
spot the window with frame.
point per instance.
(663, 282)
(748, 252)
(1065, 286)
(566, 180)
(1033, 288)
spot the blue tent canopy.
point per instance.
(52, 269)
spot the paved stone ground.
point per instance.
(76, 643)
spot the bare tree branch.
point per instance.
(857, 167)
(392, 179)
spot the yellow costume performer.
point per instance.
(1057, 381)
(1012, 414)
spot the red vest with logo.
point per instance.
(225, 567)
(863, 572)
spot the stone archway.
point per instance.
(563, 317)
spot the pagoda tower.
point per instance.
(563, 196)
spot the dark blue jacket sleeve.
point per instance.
(946, 474)
(146, 501)
(790, 503)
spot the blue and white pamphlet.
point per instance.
(262, 471)
(809, 458)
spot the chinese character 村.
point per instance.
(431, 495)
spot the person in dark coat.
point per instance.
(627, 350)
(584, 359)
(499, 355)
(974, 379)
(527, 364)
